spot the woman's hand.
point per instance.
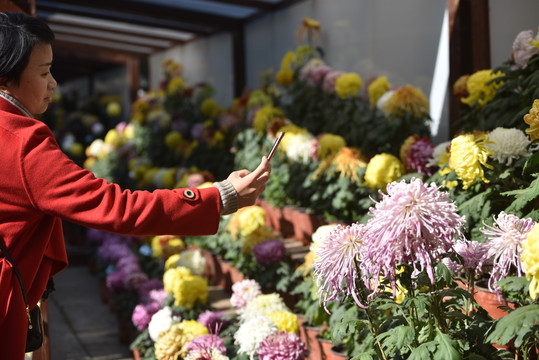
(249, 185)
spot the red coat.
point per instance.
(40, 185)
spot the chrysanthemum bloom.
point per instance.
(305, 70)
(328, 85)
(210, 108)
(189, 290)
(508, 144)
(377, 88)
(298, 147)
(348, 85)
(460, 90)
(530, 259)
(419, 155)
(263, 305)
(532, 119)
(482, 86)
(440, 155)
(291, 130)
(252, 332)
(142, 314)
(172, 276)
(285, 321)
(206, 354)
(258, 98)
(407, 100)
(173, 343)
(213, 320)
(414, 224)
(161, 321)
(206, 344)
(243, 292)
(318, 74)
(336, 262)
(284, 77)
(405, 150)
(251, 219)
(269, 252)
(381, 170)
(504, 246)
(523, 48)
(282, 346)
(175, 86)
(256, 237)
(472, 254)
(264, 116)
(165, 245)
(329, 145)
(347, 163)
(193, 260)
(149, 286)
(467, 156)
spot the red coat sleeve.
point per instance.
(57, 186)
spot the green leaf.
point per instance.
(523, 196)
(446, 347)
(423, 351)
(532, 165)
(518, 325)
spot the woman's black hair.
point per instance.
(19, 34)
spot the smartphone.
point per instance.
(275, 144)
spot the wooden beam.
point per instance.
(469, 46)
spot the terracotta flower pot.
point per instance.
(336, 353)
(313, 344)
(136, 355)
(326, 345)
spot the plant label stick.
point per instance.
(275, 144)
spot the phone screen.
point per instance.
(275, 144)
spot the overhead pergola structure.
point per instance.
(93, 35)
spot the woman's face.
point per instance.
(35, 89)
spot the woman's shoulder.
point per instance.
(22, 126)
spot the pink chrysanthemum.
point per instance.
(336, 262)
(243, 292)
(142, 314)
(419, 155)
(472, 254)
(282, 346)
(269, 252)
(414, 224)
(504, 246)
(206, 343)
(213, 320)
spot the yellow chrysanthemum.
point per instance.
(290, 130)
(284, 77)
(175, 85)
(164, 246)
(114, 108)
(530, 259)
(251, 219)
(173, 275)
(258, 98)
(171, 67)
(76, 149)
(407, 100)
(460, 90)
(210, 108)
(468, 152)
(346, 163)
(285, 321)
(172, 261)
(173, 343)
(532, 119)
(480, 88)
(381, 170)
(264, 117)
(378, 88)
(187, 289)
(218, 140)
(329, 145)
(173, 139)
(348, 85)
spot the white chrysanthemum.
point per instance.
(252, 332)
(508, 144)
(298, 147)
(193, 260)
(263, 305)
(320, 235)
(161, 321)
(437, 153)
(381, 104)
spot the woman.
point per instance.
(40, 186)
